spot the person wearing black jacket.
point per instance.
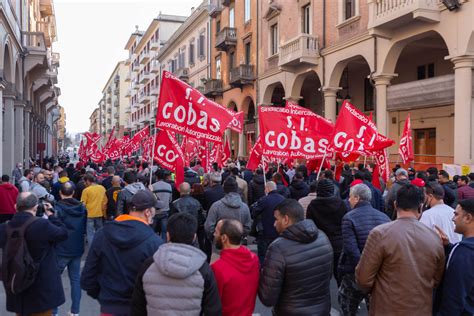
(298, 188)
(215, 192)
(256, 187)
(112, 197)
(281, 188)
(450, 189)
(296, 273)
(327, 211)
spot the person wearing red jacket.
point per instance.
(236, 271)
(8, 195)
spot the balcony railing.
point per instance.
(226, 38)
(213, 87)
(215, 9)
(435, 91)
(128, 93)
(155, 67)
(155, 90)
(116, 103)
(302, 49)
(155, 45)
(55, 59)
(242, 75)
(109, 100)
(182, 73)
(34, 42)
(145, 57)
(128, 77)
(393, 13)
(145, 77)
(116, 91)
(116, 115)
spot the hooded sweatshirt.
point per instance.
(230, 206)
(8, 195)
(114, 259)
(124, 200)
(74, 216)
(456, 293)
(237, 273)
(176, 281)
(57, 186)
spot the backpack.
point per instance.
(19, 270)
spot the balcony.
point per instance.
(128, 78)
(128, 94)
(109, 89)
(417, 94)
(155, 90)
(135, 86)
(116, 91)
(155, 45)
(144, 98)
(135, 70)
(35, 46)
(226, 38)
(116, 103)
(182, 74)
(225, 3)
(109, 100)
(109, 110)
(128, 110)
(127, 62)
(55, 59)
(214, 10)
(385, 15)
(117, 115)
(145, 57)
(213, 87)
(145, 77)
(155, 67)
(301, 50)
(241, 75)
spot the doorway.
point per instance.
(425, 145)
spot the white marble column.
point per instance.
(19, 132)
(241, 152)
(27, 121)
(382, 81)
(463, 110)
(330, 104)
(8, 136)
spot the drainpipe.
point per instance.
(371, 80)
(323, 64)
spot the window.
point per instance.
(306, 19)
(191, 53)
(231, 17)
(274, 39)
(425, 71)
(218, 68)
(247, 53)
(218, 26)
(349, 9)
(247, 11)
(201, 45)
(181, 58)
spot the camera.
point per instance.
(42, 208)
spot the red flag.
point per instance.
(338, 170)
(134, 144)
(226, 152)
(214, 155)
(185, 110)
(237, 123)
(381, 157)
(255, 157)
(168, 154)
(406, 143)
(376, 177)
(249, 144)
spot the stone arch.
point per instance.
(232, 105)
(395, 50)
(247, 100)
(298, 82)
(338, 69)
(7, 64)
(267, 96)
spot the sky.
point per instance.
(91, 38)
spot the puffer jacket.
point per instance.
(230, 206)
(124, 200)
(256, 189)
(262, 211)
(356, 226)
(177, 280)
(74, 216)
(188, 204)
(297, 271)
(298, 189)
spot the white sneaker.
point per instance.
(71, 314)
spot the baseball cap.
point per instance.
(356, 182)
(144, 199)
(418, 182)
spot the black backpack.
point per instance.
(19, 270)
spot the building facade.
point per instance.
(390, 58)
(144, 69)
(94, 121)
(29, 74)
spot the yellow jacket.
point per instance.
(95, 200)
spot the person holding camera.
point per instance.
(38, 188)
(29, 265)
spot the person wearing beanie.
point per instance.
(230, 206)
(327, 211)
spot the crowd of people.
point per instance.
(152, 248)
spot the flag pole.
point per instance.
(264, 174)
(152, 155)
(322, 162)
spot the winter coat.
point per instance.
(450, 194)
(57, 187)
(107, 182)
(41, 192)
(283, 190)
(188, 204)
(8, 196)
(124, 201)
(212, 195)
(391, 197)
(297, 271)
(356, 226)
(230, 206)
(377, 199)
(262, 211)
(46, 292)
(177, 280)
(298, 189)
(163, 192)
(237, 273)
(118, 251)
(327, 214)
(256, 189)
(112, 195)
(74, 216)
(465, 192)
(191, 177)
(455, 295)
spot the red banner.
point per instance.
(381, 157)
(255, 157)
(225, 153)
(406, 143)
(293, 132)
(237, 123)
(185, 110)
(168, 154)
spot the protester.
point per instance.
(471, 179)
(124, 201)
(38, 188)
(118, 251)
(356, 226)
(95, 202)
(306, 200)
(402, 261)
(17, 174)
(464, 190)
(450, 189)
(41, 236)
(401, 179)
(74, 216)
(438, 214)
(329, 175)
(63, 178)
(263, 215)
(107, 182)
(48, 179)
(298, 188)
(215, 192)
(455, 295)
(112, 197)
(327, 211)
(176, 280)
(296, 273)
(25, 181)
(242, 184)
(163, 192)
(281, 187)
(236, 271)
(230, 206)
(8, 196)
(256, 187)
(191, 176)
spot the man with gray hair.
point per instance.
(401, 179)
(356, 226)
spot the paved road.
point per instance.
(91, 307)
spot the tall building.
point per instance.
(29, 74)
(144, 75)
(387, 57)
(94, 119)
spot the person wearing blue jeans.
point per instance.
(74, 272)
(93, 225)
